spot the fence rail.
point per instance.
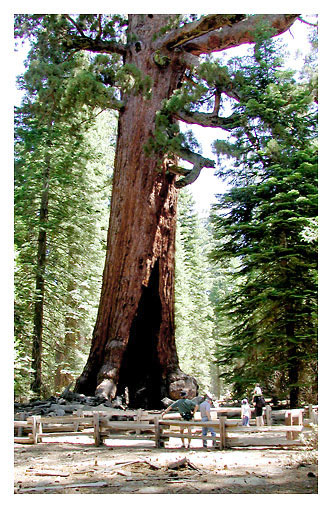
(144, 425)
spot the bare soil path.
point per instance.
(75, 466)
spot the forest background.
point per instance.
(192, 225)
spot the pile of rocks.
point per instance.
(68, 403)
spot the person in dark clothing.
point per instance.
(259, 403)
(187, 409)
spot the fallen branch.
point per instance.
(61, 487)
(128, 462)
(48, 473)
(138, 461)
(123, 473)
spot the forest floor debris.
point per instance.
(75, 466)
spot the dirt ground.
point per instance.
(75, 466)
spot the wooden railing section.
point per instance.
(144, 425)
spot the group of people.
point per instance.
(259, 403)
(187, 408)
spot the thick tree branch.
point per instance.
(241, 32)
(83, 42)
(95, 45)
(209, 119)
(217, 99)
(198, 162)
(196, 29)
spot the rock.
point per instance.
(36, 402)
(53, 399)
(60, 412)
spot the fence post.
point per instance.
(288, 421)
(77, 423)
(268, 415)
(311, 416)
(297, 420)
(139, 419)
(20, 417)
(96, 428)
(222, 432)
(157, 431)
(34, 429)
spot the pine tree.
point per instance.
(193, 310)
(262, 222)
(60, 205)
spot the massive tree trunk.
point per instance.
(133, 342)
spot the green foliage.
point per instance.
(76, 235)
(262, 223)
(78, 190)
(193, 310)
(130, 79)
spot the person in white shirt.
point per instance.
(257, 390)
(245, 413)
(206, 416)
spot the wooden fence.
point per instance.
(144, 425)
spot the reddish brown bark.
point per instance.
(133, 342)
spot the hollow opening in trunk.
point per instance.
(140, 371)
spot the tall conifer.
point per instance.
(61, 204)
(262, 223)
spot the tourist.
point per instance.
(259, 403)
(245, 413)
(187, 409)
(206, 416)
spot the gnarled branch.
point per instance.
(196, 29)
(95, 45)
(209, 119)
(199, 162)
(240, 32)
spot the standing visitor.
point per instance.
(187, 409)
(206, 416)
(245, 413)
(259, 404)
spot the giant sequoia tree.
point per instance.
(147, 67)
